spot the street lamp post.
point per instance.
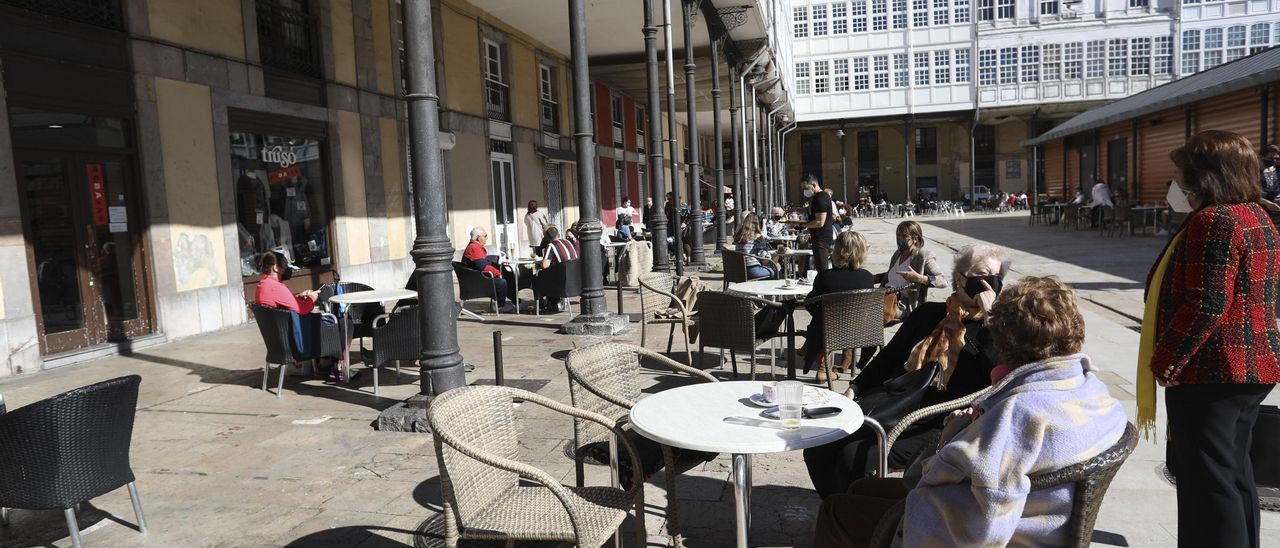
(844, 173)
(657, 175)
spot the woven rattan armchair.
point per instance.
(69, 449)
(276, 326)
(727, 322)
(604, 378)
(735, 266)
(477, 445)
(850, 319)
(396, 337)
(1091, 479)
(656, 297)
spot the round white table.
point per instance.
(790, 256)
(362, 297)
(717, 418)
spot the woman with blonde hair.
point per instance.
(847, 257)
(749, 240)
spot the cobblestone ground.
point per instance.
(221, 463)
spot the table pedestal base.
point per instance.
(742, 497)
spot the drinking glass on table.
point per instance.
(790, 398)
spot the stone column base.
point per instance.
(407, 416)
(607, 324)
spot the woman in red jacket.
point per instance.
(1210, 337)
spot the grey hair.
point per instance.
(478, 231)
(970, 255)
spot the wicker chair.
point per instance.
(656, 296)
(735, 266)
(850, 319)
(1091, 478)
(276, 326)
(604, 378)
(473, 284)
(69, 449)
(396, 337)
(477, 444)
(731, 326)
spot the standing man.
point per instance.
(646, 215)
(535, 225)
(819, 224)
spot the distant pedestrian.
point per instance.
(1209, 336)
(535, 224)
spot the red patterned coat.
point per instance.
(1217, 319)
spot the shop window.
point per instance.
(281, 199)
(288, 37)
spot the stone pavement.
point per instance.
(220, 463)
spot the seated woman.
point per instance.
(271, 292)
(476, 257)
(912, 270)
(953, 334)
(749, 240)
(847, 256)
(1048, 411)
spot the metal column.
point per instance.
(694, 161)
(657, 172)
(740, 206)
(722, 238)
(440, 361)
(674, 224)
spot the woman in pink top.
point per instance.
(273, 293)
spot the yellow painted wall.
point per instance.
(396, 195)
(468, 187)
(1009, 137)
(524, 85)
(382, 37)
(344, 47)
(353, 223)
(191, 182)
(211, 25)
(461, 62)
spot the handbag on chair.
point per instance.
(900, 395)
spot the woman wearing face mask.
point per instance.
(774, 227)
(1209, 337)
(626, 215)
(912, 270)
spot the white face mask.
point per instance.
(808, 193)
(1178, 200)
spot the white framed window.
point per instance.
(942, 66)
(1140, 57)
(1162, 56)
(986, 10)
(1005, 9)
(1190, 1)
(802, 78)
(922, 76)
(899, 14)
(1190, 40)
(941, 12)
(1275, 38)
(839, 18)
(1138, 3)
(1212, 59)
(818, 19)
(858, 16)
(963, 68)
(960, 11)
(881, 67)
(493, 62)
(861, 74)
(1030, 64)
(1073, 60)
(1051, 69)
(546, 84)
(987, 67)
(1048, 7)
(840, 72)
(1118, 57)
(901, 72)
(1190, 62)
(879, 15)
(1008, 65)
(1096, 63)
(1212, 39)
(800, 22)
(1258, 35)
(821, 76)
(1235, 43)
(919, 13)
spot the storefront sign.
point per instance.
(284, 156)
(98, 195)
(285, 174)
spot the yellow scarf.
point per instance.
(1147, 344)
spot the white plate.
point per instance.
(812, 395)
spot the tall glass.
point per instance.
(790, 398)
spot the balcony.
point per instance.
(549, 116)
(99, 13)
(497, 101)
(288, 39)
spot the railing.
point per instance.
(287, 39)
(99, 13)
(550, 117)
(497, 101)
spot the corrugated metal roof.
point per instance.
(1254, 70)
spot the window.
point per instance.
(941, 12)
(549, 111)
(1212, 59)
(1190, 62)
(1140, 57)
(840, 67)
(901, 73)
(987, 67)
(922, 68)
(1008, 65)
(819, 19)
(1073, 61)
(1052, 69)
(926, 146)
(800, 22)
(496, 93)
(1048, 7)
(1005, 9)
(1190, 40)
(861, 76)
(1235, 43)
(879, 21)
(1162, 58)
(1258, 38)
(802, 77)
(986, 10)
(942, 67)
(839, 18)
(868, 160)
(1117, 57)
(881, 71)
(962, 66)
(1096, 63)
(281, 198)
(821, 76)
(1138, 3)
(899, 14)
(616, 113)
(288, 34)
(961, 13)
(919, 13)
(1212, 38)
(858, 19)
(1030, 64)
(641, 128)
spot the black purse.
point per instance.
(900, 396)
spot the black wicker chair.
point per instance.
(558, 281)
(69, 449)
(473, 284)
(395, 338)
(276, 326)
(359, 316)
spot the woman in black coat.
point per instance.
(847, 256)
